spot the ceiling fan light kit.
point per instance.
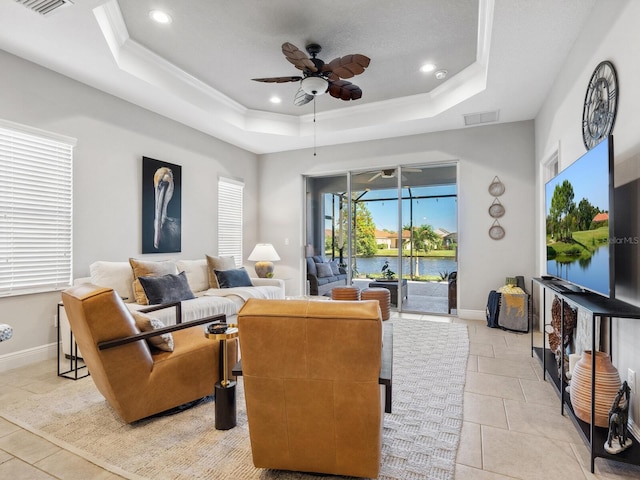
(314, 85)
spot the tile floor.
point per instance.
(512, 425)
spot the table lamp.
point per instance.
(264, 255)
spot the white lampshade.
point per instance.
(264, 252)
(314, 85)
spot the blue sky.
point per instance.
(589, 176)
(439, 213)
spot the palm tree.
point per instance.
(424, 239)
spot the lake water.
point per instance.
(426, 265)
(592, 273)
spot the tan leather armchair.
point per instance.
(311, 373)
(136, 380)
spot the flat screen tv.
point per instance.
(579, 222)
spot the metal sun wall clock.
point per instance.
(600, 105)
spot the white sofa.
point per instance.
(208, 301)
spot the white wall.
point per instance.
(113, 135)
(483, 152)
(611, 34)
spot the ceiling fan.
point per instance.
(319, 77)
(391, 173)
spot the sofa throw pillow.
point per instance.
(324, 270)
(166, 288)
(148, 269)
(218, 263)
(197, 273)
(334, 267)
(145, 323)
(116, 275)
(237, 277)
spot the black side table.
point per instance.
(392, 286)
(225, 389)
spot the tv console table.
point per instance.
(599, 307)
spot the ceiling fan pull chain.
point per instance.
(314, 125)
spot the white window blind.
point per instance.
(35, 211)
(230, 218)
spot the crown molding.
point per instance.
(144, 64)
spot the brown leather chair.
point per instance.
(136, 380)
(311, 373)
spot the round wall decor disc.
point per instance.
(496, 210)
(496, 232)
(496, 188)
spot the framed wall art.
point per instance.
(161, 206)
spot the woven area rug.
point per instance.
(420, 437)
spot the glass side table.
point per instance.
(225, 389)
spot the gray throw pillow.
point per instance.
(334, 267)
(167, 288)
(324, 270)
(237, 277)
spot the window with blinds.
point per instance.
(230, 218)
(35, 210)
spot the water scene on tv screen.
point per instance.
(577, 222)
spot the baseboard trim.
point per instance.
(9, 361)
(472, 314)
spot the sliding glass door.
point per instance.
(395, 225)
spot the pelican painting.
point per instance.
(161, 207)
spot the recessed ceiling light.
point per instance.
(275, 100)
(441, 74)
(427, 67)
(160, 16)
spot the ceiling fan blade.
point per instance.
(277, 79)
(344, 90)
(297, 57)
(349, 65)
(412, 170)
(374, 177)
(302, 98)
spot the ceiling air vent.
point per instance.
(478, 118)
(45, 7)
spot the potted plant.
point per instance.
(387, 273)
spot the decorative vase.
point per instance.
(607, 386)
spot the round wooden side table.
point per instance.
(345, 293)
(384, 299)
